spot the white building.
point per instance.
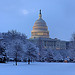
(40, 36)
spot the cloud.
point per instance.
(25, 12)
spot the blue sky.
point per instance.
(21, 15)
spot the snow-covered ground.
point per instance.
(37, 69)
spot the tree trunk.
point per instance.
(16, 63)
(28, 61)
(16, 58)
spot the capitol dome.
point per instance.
(40, 28)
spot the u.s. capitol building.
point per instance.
(40, 36)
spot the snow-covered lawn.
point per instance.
(37, 69)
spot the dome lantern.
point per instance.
(40, 15)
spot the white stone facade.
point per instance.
(40, 36)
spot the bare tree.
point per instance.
(15, 50)
(18, 51)
(31, 52)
